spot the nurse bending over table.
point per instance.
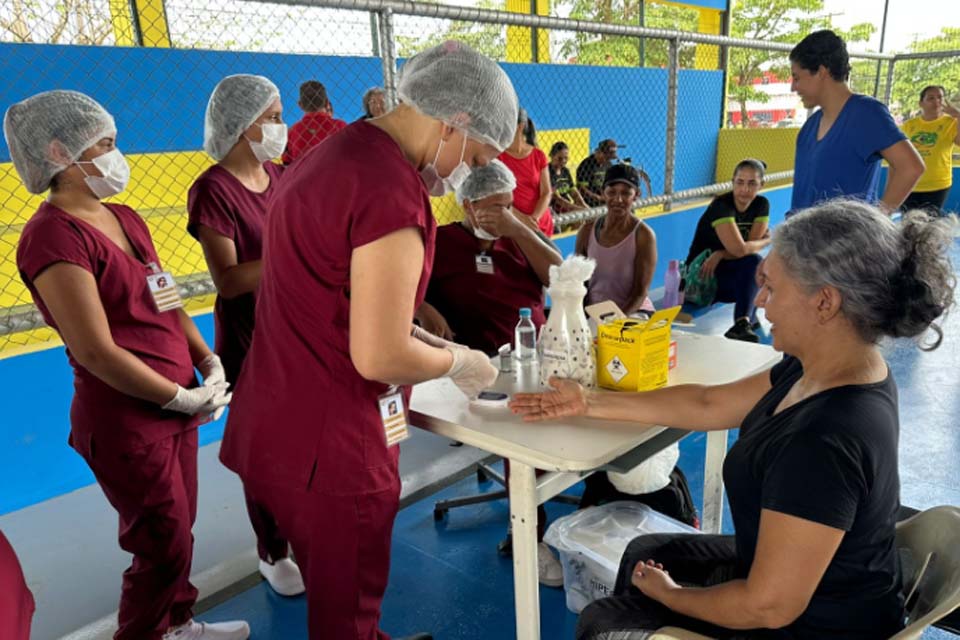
(812, 479)
(348, 249)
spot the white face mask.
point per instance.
(483, 235)
(114, 174)
(437, 185)
(273, 143)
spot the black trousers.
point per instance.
(692, 560)
(930, 201)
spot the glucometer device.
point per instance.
(491, 399)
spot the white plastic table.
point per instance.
(572, 448)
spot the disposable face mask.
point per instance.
(481, 233)
(437, 185)
(114, 174)
(273, 143)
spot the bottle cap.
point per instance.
(525, 312)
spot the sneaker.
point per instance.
(548, 567)
(283, 576)
(233, 630)
(741, 330)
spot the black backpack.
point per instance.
(673, 500)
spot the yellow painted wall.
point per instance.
(774, 146)
(158, 191)
(519, 47)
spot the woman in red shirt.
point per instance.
(243, 132)
(93, 272)
(530, 167)
(348, 249)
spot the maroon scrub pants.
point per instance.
(271, 546)
(342, 545)
(154, 490)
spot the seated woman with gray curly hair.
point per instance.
(812, 479)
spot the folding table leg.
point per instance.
(713, 482)
(523, 517)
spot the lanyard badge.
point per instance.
(485, 264)
(393, 417)
(163, 289)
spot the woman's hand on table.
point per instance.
(652, 580)
(568, 398)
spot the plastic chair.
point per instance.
(931, 542)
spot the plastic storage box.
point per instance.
(591, 543)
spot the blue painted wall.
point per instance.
(158, 96)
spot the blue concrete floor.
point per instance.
(447, 578)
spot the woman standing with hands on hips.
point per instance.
(243, 132)
(348, 250)
(812, 479)
(93, 272)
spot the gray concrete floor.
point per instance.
(68, 545)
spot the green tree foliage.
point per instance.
(911, 76)
(598, 49)
(786, 21)
(488, 39)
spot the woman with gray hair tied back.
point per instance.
(812, 479)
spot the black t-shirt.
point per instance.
(590, 174)
(830, 459)
(721, 211)
(561, 181)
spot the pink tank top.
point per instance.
(613, 277)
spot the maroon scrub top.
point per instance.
(219, 201)
(302, 415)
(16, 601)
(100, 412)
(482, 309)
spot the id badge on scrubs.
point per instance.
(163, 288)
(393, 417)
(485, 264)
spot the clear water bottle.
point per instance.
(526, 336)
(671, 285)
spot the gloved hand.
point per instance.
(212, 370)
(206, 399)
(426, 337)
(471, 371)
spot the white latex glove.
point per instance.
(203, 400)
(471, 371)
(212, 370)
(426, 337)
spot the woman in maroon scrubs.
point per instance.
(16, 601)
(348, 249)
(93, 272)
(243, 132)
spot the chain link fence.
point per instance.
(646, 80)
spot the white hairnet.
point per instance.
(487, 181)
(236, 102)
(454, 83)
(47, 132)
